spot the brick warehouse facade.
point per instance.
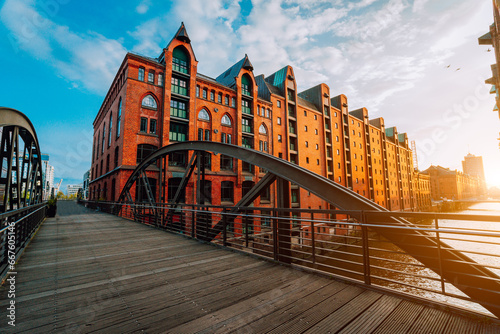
(156, 101)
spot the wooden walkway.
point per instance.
(92, 272)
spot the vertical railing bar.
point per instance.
(224, 227)
(366, 250)
(313, 239)
(443, 287)
(246, 230)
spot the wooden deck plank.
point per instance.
(343, 316)
(92, 272)
(430, 321)
(401, 319)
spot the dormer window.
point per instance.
(180, 60)
(246, 85)
(149, 102)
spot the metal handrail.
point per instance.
(343, 254)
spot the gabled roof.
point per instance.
(304, 103)
(278, 78)
(227, 78)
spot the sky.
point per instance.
(416, 63)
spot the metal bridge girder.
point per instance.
(459, 269)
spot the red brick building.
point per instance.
(153, 102)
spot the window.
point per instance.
(212, 95)
(110, 129)
(336, 125)
(226, 163)
(317, 162)
(200, 134)
(278, 120)
(151, 77)
(246, 125)
(177, 159)
(338, 152)
(219, 98)
(227, 192)
(233, 102)
(152, 126)
(205, 92)
(245, 107)
(179, 86)
(317, 146)
(268, 113)
(226, 138)
(178, 109)
(180, 60)
(141, 74)
(226, 100)
(225, 120)
(103, 137)
(203, 115)
(207, 135)
(206, 195)
(305, 113)
(307, 159)
(315, 131)
(143, 151)
(263, 130)
(178, 132)
(119, 118)
(173, 185)
(144, 124)
(98, 141)
(278, 104)
(263, 146)
(315, 117)
(337, 138)
(160, 79)
(279, 139)
(246, 85)
(197, 91)
(117, 151)
(307, 144)
(149, 102)
(247, 142)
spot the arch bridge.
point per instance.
(453, 266)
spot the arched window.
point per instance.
(149, 102)
(203, 115)
(246, 85)
(180, 60)
(262, 129)
(225, 120)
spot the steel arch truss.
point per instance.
(455, 267)
(20, 162)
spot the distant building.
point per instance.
(73, 189)
(47, 176)
(451, 184)
(473, 166)
(422, 190)
(86, 181)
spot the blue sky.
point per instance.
(390, 56)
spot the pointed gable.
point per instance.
(228, 77)
(182, 34)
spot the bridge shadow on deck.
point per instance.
(87, 271)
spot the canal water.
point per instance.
(475, 247)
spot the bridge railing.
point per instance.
(336, 242)
(16, 230)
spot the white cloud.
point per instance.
(143, 6)
(90, 60)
